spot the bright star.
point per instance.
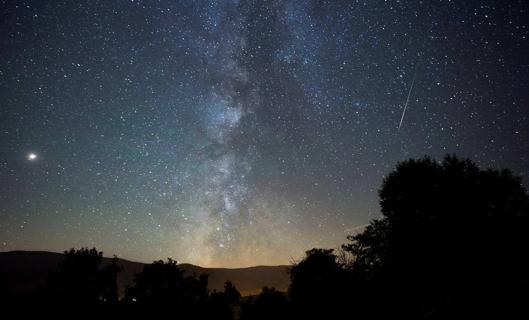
(32, 156)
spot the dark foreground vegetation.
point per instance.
(452, 243)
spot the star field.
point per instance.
(237, 133)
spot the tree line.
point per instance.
(452, 242)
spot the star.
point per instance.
(241, 123)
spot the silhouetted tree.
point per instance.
(162, 286)
(80, 279)
(452, 242)
(233, 296)
(225, 304)
(107, 280)
(269, 304)
(318, 285)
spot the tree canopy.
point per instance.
(452, 240)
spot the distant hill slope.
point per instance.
(23, 271)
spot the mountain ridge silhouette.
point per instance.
(24, 271)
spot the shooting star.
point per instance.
(409, 94)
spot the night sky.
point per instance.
(237, 133)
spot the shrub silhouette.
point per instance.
(225, 304)
(269, 304)
(318, 285)
(452, 242)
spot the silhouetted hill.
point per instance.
(249, 281)
(24, 271)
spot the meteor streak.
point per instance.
(409, 94)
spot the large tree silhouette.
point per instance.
(81, 280)
(452, 242)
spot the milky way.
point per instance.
(236, 133)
